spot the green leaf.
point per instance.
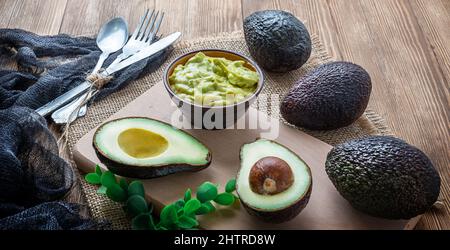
(180, 203)
(143, 222)
(211, 207)
(192, 206)
(92, 178)
(187, 194)
(136, 205)
(186, 222)
(108, 179)
(202, 210)
(98, 170)
(168, 215)
(180, 212)
(231, 186)
(102, 190)
(136, 188)
(206, 192)
(225, 199)
(123, 184)
(206, 207)
(116, 193)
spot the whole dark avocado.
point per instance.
(330, 96)
(277, 40)
(384, 176)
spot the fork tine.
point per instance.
(158, 25)
(142, 32)
(150, 27)
(141, 22)
(155, 28)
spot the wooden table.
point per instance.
(404, 45)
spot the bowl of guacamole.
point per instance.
(213, 88)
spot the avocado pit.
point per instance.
(270, 175)
(274, 184)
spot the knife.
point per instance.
(83, 87)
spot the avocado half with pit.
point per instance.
(140, 147)
(273, 183)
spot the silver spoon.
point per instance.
(111, 38)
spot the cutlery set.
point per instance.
(112, 37)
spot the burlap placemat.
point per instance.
(102, 208)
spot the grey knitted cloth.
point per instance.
(33, 71)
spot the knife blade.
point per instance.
(144, 53)
(84, 87)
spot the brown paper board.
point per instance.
(325, 210)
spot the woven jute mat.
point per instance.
(102, 208)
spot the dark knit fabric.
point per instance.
(33, 71)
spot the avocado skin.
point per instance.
(277, 40)
(143, 172)
(384, 177)
(283, 215)
(331, 96)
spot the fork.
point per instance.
(143, 35)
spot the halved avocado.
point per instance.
(273, 183)
(140, 147)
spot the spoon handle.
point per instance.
(100, 62)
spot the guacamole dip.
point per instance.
(213, 81)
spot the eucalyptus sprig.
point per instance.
(181, 214)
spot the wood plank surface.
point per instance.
(404, 45)
(39, 16)
(409, 87)
(86, 17)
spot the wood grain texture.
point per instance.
(403, 44)
(434, 18)
(39, 16)
(86, 17)
(201, 18)
(408, 82)
(313, 13)
(5, 12)
(409, 85)
(434, 21)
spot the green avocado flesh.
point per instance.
(302, 181)
(213, 81)
(143, 147)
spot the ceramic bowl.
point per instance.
(213, 117)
